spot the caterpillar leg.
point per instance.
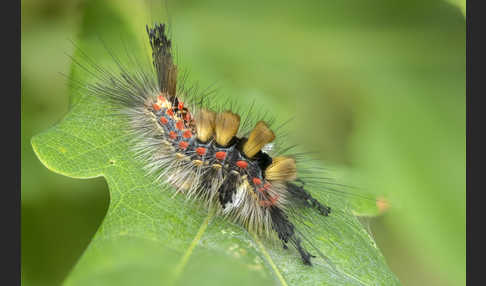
(299, 194)
(286, 233)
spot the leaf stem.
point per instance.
(270, 260)
(195, 241)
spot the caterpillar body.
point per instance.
(205, 154)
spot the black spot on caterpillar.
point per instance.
(209, 154)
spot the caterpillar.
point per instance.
(210, 155)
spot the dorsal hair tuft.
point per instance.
(226, 127)
(205, 124)
(283, 168)
(259, 136)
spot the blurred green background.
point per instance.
(376, 86)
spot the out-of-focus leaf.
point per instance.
(461, 4)
(420, 163)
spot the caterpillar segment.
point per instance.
(201, 154)
(219, 168)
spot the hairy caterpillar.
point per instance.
(209, 154)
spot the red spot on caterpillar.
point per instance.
(180, 125)
(187, 117)
(163, 120)
(264, 203)
(183, 144)
(272, 201)
(161, 98)
(156, 107)
(201, 150)
(220, 155)
(187, 133)
(172, 135)
(180, 106)
(242, 164)
(170, 112)
(257, 181)
(265, 187)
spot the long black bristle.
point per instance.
(286, 233)
(300, 195)
(162, 58)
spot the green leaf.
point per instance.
(149, 237)
(461, 4)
